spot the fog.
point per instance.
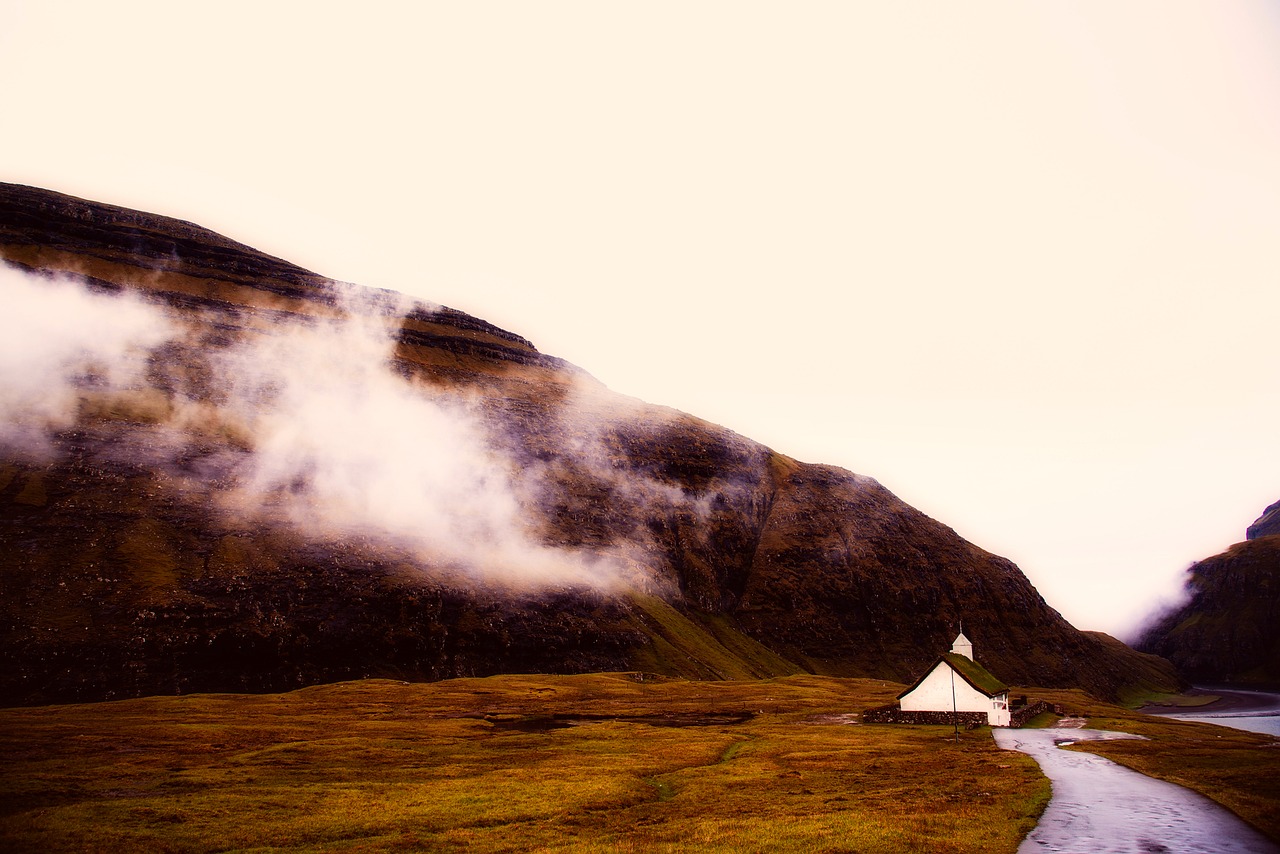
(57, 341)
(320, 433)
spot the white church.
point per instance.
(957, 683)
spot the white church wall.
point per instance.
(934, 694)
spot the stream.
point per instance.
(1099, 807)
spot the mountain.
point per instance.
(223, 472)
(1266, 525)
(1228, 630)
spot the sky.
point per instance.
(1018, 262)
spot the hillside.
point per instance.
(224, 472)
(1228, 630)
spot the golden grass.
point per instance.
(532, 763)
(702, 647)
(603, 762)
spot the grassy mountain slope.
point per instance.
(128, 568)
(1228, 631)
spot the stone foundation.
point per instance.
(893, 714)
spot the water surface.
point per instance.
(1254, 711)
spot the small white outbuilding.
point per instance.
(957, 683)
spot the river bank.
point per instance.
(1252, 711)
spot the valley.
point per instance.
(618, 761)
(290, 563)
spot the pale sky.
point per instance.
(1017, 261)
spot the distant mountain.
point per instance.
(1228, 631)
(222, 472)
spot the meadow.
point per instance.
(601, 762)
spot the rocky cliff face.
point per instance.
(1228, 631)
(1266, 525)
(257, 504)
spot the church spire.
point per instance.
(962, 645)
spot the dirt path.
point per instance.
(1099, 807)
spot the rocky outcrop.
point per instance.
(124, 573)
(1228, 631)
(1266, 525)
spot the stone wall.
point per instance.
(893, 714)
(1022, 714)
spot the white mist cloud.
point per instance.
(308, 424)
(343, 445)
(59, 341)
(590, 415)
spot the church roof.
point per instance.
(969, 670)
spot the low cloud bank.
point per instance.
(329, 438)
(344, 445)
(59, 341)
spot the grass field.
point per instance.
(605, 762)
(528, 763)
